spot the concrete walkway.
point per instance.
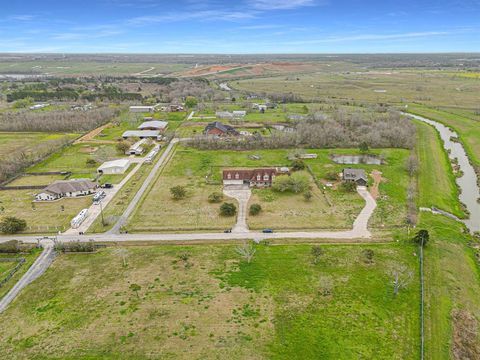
(37, 269)
(242, 195)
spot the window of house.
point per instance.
(259, 177)
(265, 177)
(237, 176)
(229, 176)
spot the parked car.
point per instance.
(99, 196)
(107, 186)
(267, 231)
(228, 231)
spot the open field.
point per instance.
(437, 185)
(7, 266)
(452, 287)
(87, 68)
(377, 86)
(41, 217)
(205, 302)
(466, 123)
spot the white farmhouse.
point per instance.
(67, 188)
(114, 167)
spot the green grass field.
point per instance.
(214, 305)
(5, 267)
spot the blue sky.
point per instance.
(241, 26)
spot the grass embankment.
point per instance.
(205, 302)
(466, 124)
(436, 181)
(452, 286)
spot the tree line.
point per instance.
(342, 129)
(56, 121)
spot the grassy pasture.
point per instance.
(41, 217)
(214, 305)
(384, 86)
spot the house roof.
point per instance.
(156, 124)
(354, 174)
(223, 114)
(65, 186)
(222, 127)
(141, 133)
(248, 174)
(115, 163)
(239, 112)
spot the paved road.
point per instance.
(133, 204)
(242, 196)
(40, 265)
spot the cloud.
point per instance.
(279, 4)
(24, 17)
(204, 15)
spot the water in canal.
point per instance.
(470, 191)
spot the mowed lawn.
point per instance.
(13, 142)
(204, 302)
(190, 167)
(437, 185)
(41, 217)
(466, 124)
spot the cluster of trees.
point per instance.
(14, 163)
(376, 130)
(56, 121)
(12, 225)
(297, 182)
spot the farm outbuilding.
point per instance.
(141, 134)
(142, 109)
(153, 125)
(357, 176)
(114, 167)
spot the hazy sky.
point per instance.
(242, 26)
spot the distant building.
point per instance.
(142, 134)
(114, 167)
(357, 176)
(67, 188)
(216, 128)
(153, 125)
(38, 106)
(175, 108)
(137, 148)
(250, 177)
(224, 115)
(142, 109)
(239, 114)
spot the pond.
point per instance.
(469, 189)
(357, 159)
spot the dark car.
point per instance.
(267, 231)
(228, 231)
(107, 186)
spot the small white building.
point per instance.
(38, 106)
(142, 109)
(153, 125)
(142, 134)
(137, 148)
(224, 115)
(239, 114)
(114, 167)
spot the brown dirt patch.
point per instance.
(377, 178)
(88, 137)
(466, 344)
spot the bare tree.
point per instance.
(412, 164)
(401, 277)
(246, 251)
(123, 254)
